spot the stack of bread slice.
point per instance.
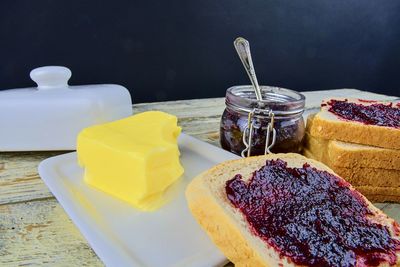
(367, 156)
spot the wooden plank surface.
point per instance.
(39, 233)
(34, 229)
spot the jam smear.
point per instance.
(311, 216)
(374, 114)
(367, 101)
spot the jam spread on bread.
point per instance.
(374, 114)
(311, 216)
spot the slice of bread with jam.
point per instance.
(288, 210)
(359, 121)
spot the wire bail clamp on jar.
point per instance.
(248, 131)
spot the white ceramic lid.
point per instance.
(49, 116)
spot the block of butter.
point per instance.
(134, 159)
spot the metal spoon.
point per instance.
(242, 47)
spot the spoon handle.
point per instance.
(242, 47)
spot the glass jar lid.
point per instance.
(283, 102)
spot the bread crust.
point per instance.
(227, 227)
(377, 185)
(369, 176)
(330, 126)
(361, 176)
(349, 155)
(380, 194)
(220, 227)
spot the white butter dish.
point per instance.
(124, 236)
(49, 116)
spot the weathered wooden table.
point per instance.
(35, 230)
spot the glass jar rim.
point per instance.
(281, 101)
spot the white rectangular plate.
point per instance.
(123, 236)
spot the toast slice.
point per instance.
(358, 176)
(349, 155)
(380, 194)
(377, 185)
(329, 125)
(229, 228)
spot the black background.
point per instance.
(166, 50)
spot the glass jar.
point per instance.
(274, 124)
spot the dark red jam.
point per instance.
(241, 102)
(311, 217)
(367, 101)
(289, 133)
(374, 114)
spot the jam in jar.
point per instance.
(280, 108)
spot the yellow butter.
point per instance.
(134, 159)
